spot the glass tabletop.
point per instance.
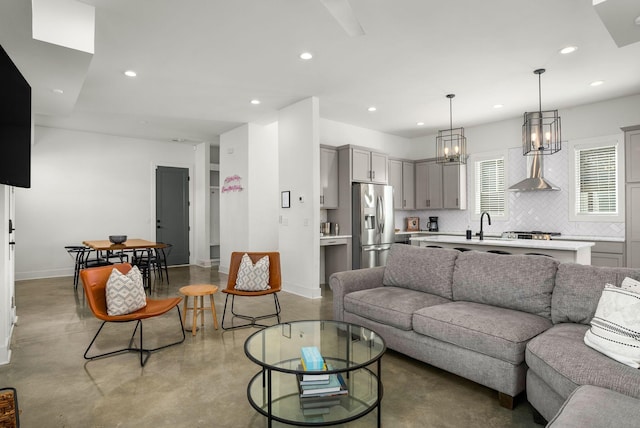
(343, 346)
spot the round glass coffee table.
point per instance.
(352, 351)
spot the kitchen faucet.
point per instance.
(481, 218)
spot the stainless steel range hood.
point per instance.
(535, 181)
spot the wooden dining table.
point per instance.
(130, 244)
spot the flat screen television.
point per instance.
(15, 125)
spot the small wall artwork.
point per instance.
(233, 183)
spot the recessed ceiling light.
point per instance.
(130, 73)
(57, 91)
(255, 102)
(420, 123)
(498, 105)
(596, 83)
(372, 108)
(306, 55)
(568, 50)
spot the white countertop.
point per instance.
(588, 238)
(520, 243)
(499, 235)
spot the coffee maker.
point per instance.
(432, 225)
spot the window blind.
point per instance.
(490, 188)
(596, 183)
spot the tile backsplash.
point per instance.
(546, 211)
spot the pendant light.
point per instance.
(541, 131)
(451, 144)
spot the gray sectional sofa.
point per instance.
(507, 322)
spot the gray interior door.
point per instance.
(172, 212)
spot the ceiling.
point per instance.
(201, 62)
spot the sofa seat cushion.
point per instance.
(561, 359)
(595, 407)
(578, 289)
(390, 305)
(497, 332)
(519, 282)
(421, 269)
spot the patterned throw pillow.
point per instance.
(125, 293)
(615, 328)
(253, 277)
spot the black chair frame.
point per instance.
(253, 321)
(144, 353)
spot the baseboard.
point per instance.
(50, 273)
(315, 293)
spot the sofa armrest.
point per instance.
(342, 283)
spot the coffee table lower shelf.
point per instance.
(365, 395)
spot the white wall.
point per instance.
(537, 210)
(585, 121)
(88, 186)
(234, 205)
(299, 154)
(264, 200)
(248, 218)
(7, 308)
(334, 133)
(202, 204)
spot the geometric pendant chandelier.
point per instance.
(541, 131)
(451, 144)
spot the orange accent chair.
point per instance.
(94, 281)
(275, 282)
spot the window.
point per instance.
(596, 181)
(595, 177)
(490, 187)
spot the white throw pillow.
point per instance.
(253, 277)
(125, 293)
(615, 328)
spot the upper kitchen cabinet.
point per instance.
(328, 178)
(368, 166)
(428, 185)
(632, 155)
(454, 187)
(402, 178)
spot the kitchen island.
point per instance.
(564, 251)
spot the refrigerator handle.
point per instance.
(381, 219)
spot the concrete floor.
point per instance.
(201, 382)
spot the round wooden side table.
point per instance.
(198, 291)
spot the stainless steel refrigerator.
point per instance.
(372, 224)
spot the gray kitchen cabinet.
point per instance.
(328, 178)
(632, 155)
(607, 253)
(408, 185)
(632, 225)
(395, 180)
(632, 195)
(402, 178)
(428, 187)
(368, 166)
(454, 187)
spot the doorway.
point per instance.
(172, 212)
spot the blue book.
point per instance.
(311, 358)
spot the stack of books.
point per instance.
(318, 391)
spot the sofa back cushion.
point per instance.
(578, 290)
(422, 269)
(519, 282)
